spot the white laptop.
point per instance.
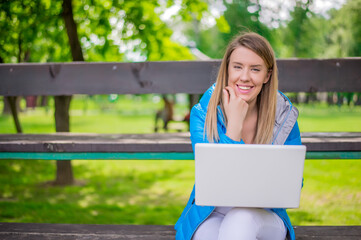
(248, 175)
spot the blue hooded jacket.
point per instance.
(285, 131)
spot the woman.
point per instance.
(243, 106)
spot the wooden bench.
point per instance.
(295, 75)
(40, 231)
(307, 75)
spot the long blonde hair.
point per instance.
(267, 98)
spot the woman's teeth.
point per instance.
(244, 88)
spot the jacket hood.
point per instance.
(286, 115)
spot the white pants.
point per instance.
(241, 224)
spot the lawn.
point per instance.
(155, 192)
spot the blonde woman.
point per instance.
(243, 106)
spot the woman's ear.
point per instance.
(268, 77)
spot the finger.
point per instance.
(225, 97)
(232, 93)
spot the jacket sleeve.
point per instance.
(197, 124)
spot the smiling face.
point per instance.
(247, 72)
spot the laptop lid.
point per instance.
(248, 175)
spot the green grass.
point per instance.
(331, 194)
(155, 192)
(110, 192)
(321, 118)
(96, 115)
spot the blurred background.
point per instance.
(155, 192)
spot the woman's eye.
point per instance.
(256, 70)
(237, 67)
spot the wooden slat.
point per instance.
(307, 75)
(73, 142)
(106, 78)
(150, 232)
(35, 231)
(317, 75)
(332, 141)
(120, 155)
(331, 134)
(327, 232)
(170, 142)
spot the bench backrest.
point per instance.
(295, 75)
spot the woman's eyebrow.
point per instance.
(253, 65)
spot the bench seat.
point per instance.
(39, 231)
(326, 145)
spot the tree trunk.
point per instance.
(6, 109)
(62, 104)
(64, 172)
(72, 32)
(12, 103)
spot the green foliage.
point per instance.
(30, 31)
(239, 16)
(299, 32)
(345, 31)
(223, 25)
(308, 35)
(94, 30)
(193, 9)
(244, 16)
(33, 30)
(305, 35)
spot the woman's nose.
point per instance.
(244, 75)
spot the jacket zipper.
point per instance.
(188, 211)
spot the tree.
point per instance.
(15, 47)
(344, 38)
(239, 15)
(96, 30)
(64, 172)
(299, 32)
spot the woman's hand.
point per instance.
(236, 110)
